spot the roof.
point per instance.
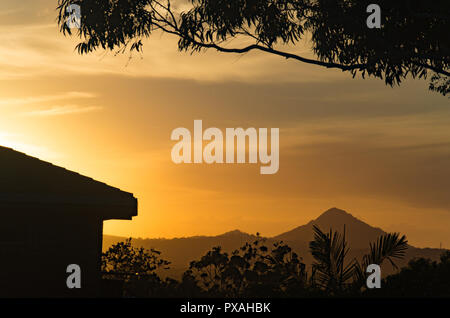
(29, 183)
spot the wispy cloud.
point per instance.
(63, 110)
(32, 46)
(7, 12)
(45, 98)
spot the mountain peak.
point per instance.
(337, 219)
(359, 233)
(234, 233)
(334, 213)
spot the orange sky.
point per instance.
(380, 153)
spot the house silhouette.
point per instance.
(50, 218)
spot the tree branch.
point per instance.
(280, 53)
(433, 68)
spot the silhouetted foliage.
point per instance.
(421, 278)
(330, 272)
(333, 275)
(252, 271)
(135, 267)
(388, 247)
(256, 270)
(412, 40)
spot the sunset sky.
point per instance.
(380, 153)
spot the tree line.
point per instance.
(258, 270)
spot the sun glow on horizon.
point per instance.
(379, 153)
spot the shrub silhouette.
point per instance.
(252, 271)
(135, 267)
(420, 278)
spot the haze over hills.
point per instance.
(180, 251)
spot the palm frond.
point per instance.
(329, 251)
(389, 247)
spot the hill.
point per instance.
(358, 233)
(180, 251)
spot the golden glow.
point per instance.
(381, 154)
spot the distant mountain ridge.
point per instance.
(358, 233)
(180, 251)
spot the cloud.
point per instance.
(31, 46)
(44, 98)
(63, 110)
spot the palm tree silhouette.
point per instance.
(333, 275)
